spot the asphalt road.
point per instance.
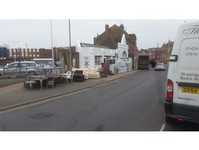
(132, 103)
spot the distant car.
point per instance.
(160, 67)
(24, 67)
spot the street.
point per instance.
(131, 103)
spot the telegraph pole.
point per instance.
(70, 51)
(51, 41)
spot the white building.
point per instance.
(91, 56)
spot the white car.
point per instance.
(182, 95)
(1, 71)
(160, 67)
(68, 76)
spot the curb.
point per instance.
(34, 101)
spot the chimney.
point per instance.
(122, 27)
(106, 27)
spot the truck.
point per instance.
(143, 62)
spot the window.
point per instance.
(86, 61)
(124, 54)
(98, 60)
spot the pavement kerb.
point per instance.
(63, 93)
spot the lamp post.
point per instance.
(70, 51)
(51, 41)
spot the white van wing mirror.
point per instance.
(173, 58)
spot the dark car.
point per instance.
(78, 75)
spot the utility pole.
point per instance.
(51, 41)
(70, 50)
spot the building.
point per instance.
(113, 35)
(28, 53)
(92, 56)
(4, 53)
(161, 54)
(62, 55)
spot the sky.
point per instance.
(36, 33)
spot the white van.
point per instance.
(182, 95)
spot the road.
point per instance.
(132, 103)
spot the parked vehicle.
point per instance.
(1, 71)
(85, 72)
(68, 76)
(21, 67)
(78, 75)
(143, 62)
(160, 67)
(44, 63)
(182, 95)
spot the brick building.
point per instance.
(62, 54)
(21, 54)
(161, 54)
(113, 35)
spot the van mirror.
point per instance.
(173, 58)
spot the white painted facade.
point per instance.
(91, 57)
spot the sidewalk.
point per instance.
(16, 95)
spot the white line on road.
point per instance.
(163, 127)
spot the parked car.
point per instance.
(1, 70)
(68, 76)
(182, 95)
(160, 67)
(21, 67)
(78, 75)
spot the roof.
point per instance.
(87, 45)
(92, 45)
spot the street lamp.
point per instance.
(70, 51)
(51, 41)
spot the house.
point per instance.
(92, 56)
(113, 35)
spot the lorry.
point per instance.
(143, 62)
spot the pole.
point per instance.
(70, 51)
(51, 41)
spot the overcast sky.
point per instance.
(36, 33)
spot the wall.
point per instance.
(87, 56)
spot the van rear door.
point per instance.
(187, 88)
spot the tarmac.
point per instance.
(16, 95)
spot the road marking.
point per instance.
(163, 127)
